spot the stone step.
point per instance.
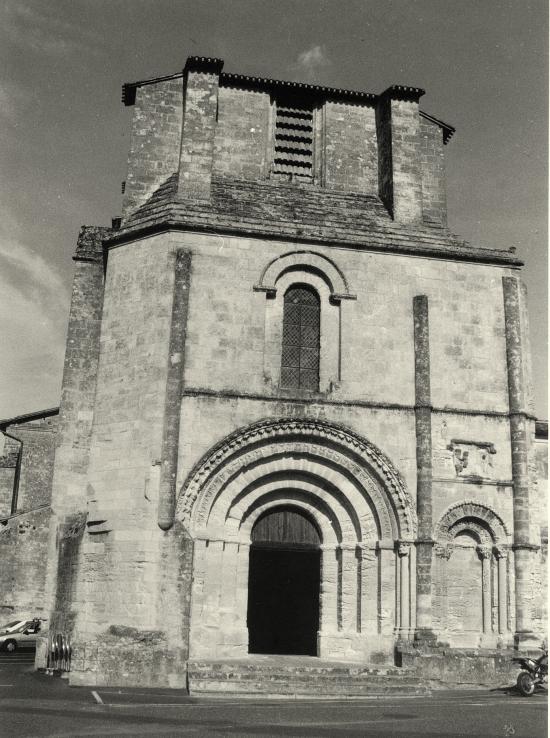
(291, 677)
(238, 668)
(309, 691)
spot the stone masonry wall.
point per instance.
(226, 353)
(75, 419)
(122, 597)
(242, 133)
(350, 152)
(406, 163)
(23, 564)
(225, 388)
(155, 141)
(24, 534)
(434, 198)
(9, 456)
(38, 442)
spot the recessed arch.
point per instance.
(336, 522)
(305, 261)
(471, 575)
(343, 454)
(489, 526)
(361, 511)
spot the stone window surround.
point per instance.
(324, 276)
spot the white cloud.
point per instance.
(13, 100)
(40, 30)
(34, 302)
(312, 61)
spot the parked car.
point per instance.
(19, 634)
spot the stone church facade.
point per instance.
(296, 413)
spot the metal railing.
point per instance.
(59, 653)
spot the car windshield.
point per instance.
(11, 625)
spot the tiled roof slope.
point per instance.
(299, 212)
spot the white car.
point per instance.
(19, 634)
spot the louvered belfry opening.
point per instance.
(301, 338)
(293, 154)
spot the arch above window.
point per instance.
(305, 261)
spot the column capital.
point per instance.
(484, 552)
(348, 547)
(403, 548)
(442, 551)
(501, 551)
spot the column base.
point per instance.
(425, 636)
(404, 634)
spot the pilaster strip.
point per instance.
(423, 423)
(516, 395)
(172, 410)
(523, 550)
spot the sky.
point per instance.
(64, 133)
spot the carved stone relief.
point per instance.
(472, 459)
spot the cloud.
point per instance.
(34, 302)
(40, 30)
(312, 61)
(13, 100)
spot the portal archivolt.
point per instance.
(354, 497)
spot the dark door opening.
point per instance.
(283, 585)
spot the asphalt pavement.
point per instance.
(33, 704)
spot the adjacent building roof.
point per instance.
(28, 417)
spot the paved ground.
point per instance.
(32, 705)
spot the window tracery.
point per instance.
(301, 338)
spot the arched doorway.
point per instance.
(283, 584)
(352, 500)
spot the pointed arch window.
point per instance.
(301, 338)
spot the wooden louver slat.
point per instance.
(293, 155)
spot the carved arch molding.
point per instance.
(475, 517)
(343, 481)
